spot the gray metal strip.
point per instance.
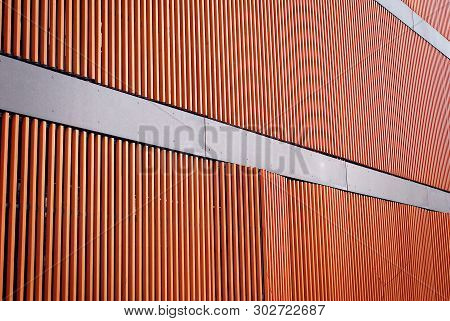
(426, 31)
(30, 90)
(239, 146)
(399, 9)
(314, 167)
(37, 92)
(369, 182)
(438, 200)
(405, 14)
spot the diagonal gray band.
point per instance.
(33, 91)
(405, 14)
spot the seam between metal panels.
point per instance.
(417, 24)
(50, 96)
(263, 272)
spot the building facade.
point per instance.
(224, 150)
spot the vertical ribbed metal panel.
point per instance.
(98, 218)
(389, 249)
(109, 219)
(276, 236)
(351, 85)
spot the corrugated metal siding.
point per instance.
(360, 88)
(416, 126)
(325, 244)
(337, 85)
(98, 218)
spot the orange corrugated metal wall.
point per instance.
(98, 218)
(92, 223)
(324, 244)
(343, 77)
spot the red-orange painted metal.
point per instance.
(352, 85)
(122, 220)
(386, 247)
(101, 218)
